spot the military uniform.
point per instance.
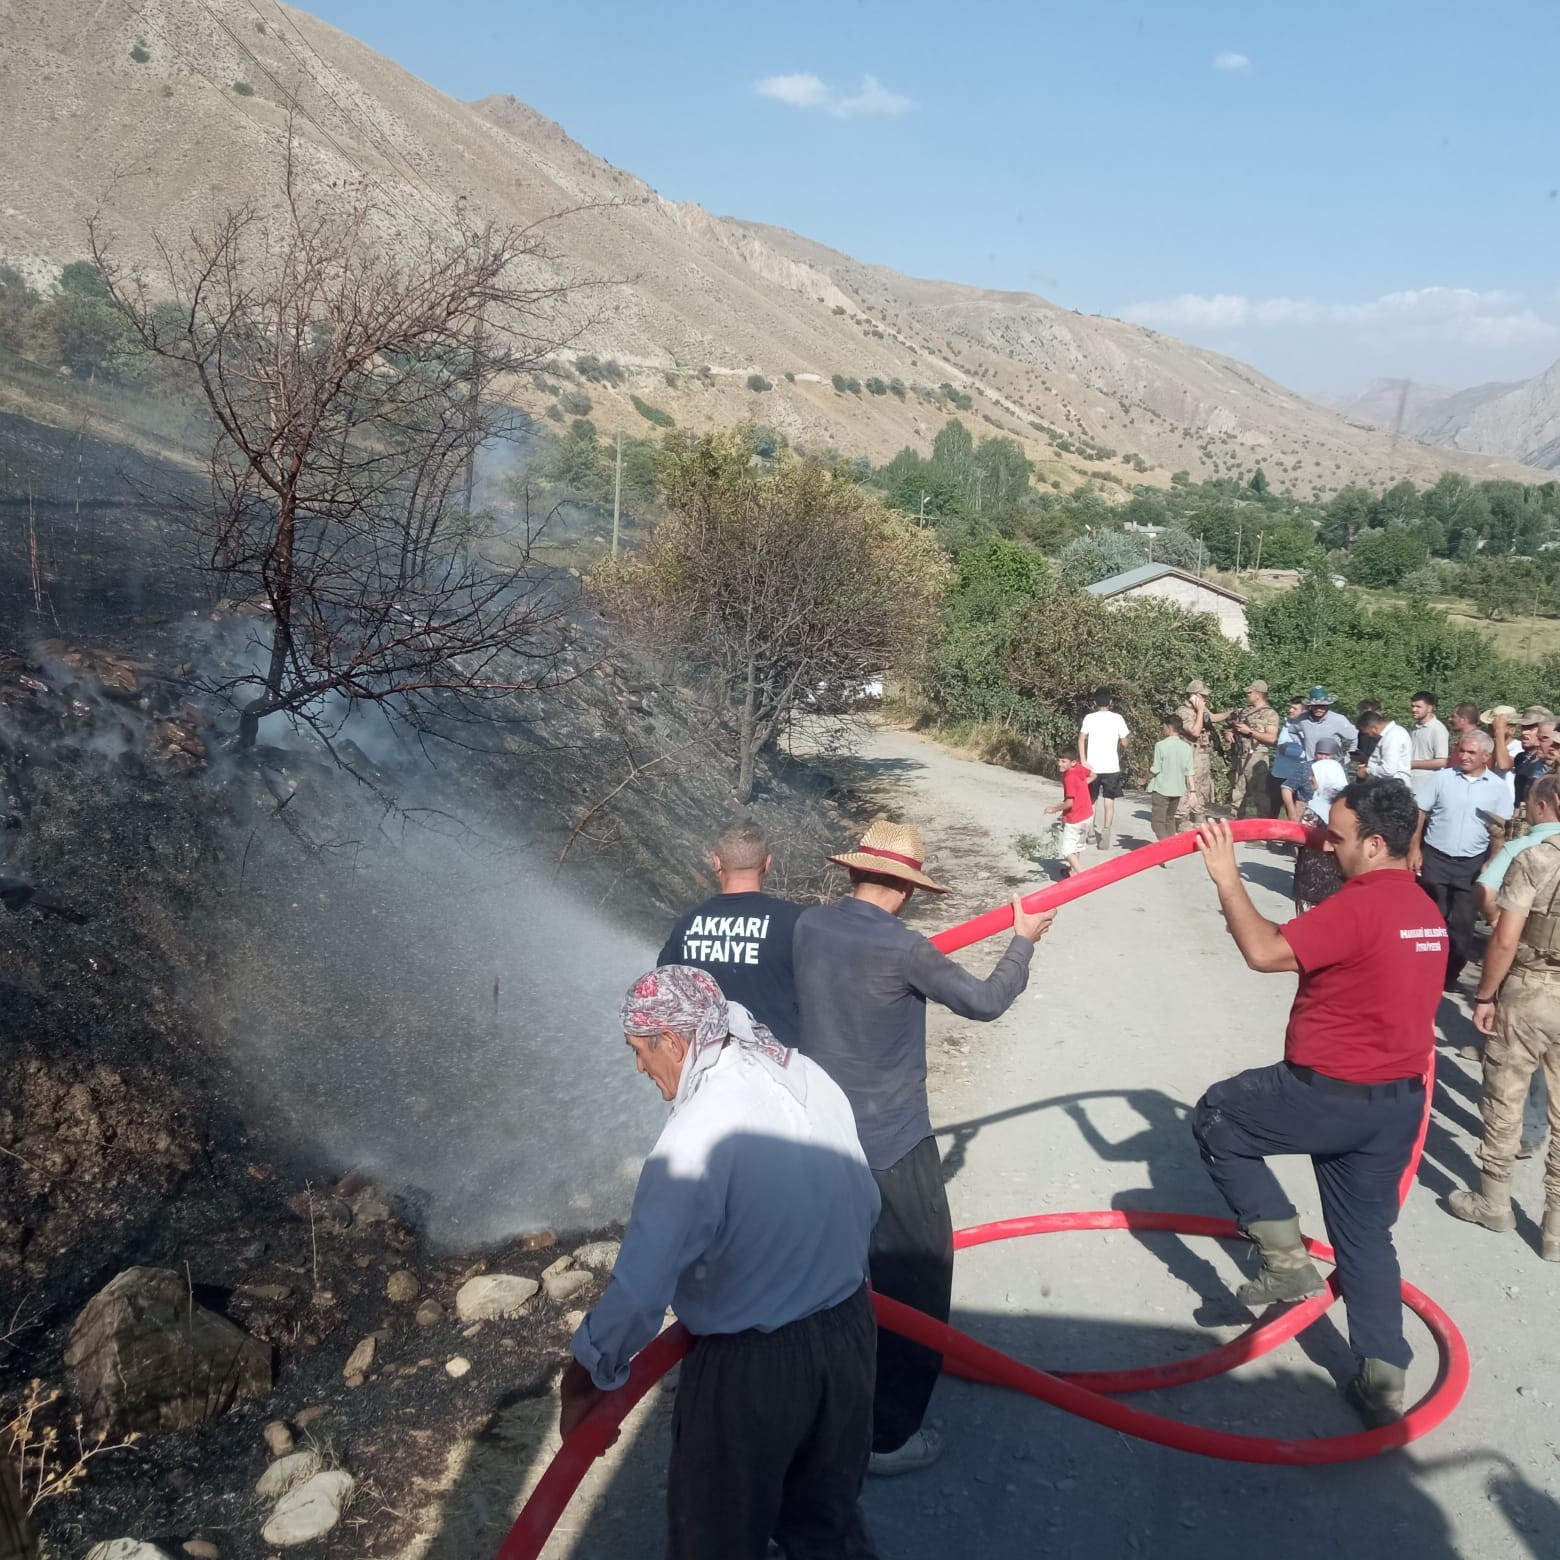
(1201, 793)
(1254, 761)
(1527, 1021)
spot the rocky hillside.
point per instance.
(1520, 421)
(155, 113)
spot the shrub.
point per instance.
(243, 89)
(839, 308)
(575, 402)
(591, 367)
(758, 382)
(670, 378)
(140, 53)
(790, 378)
(896, 387)
(876, 386)
(653, 414)
(838, 381)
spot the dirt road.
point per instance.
(1077, 1099)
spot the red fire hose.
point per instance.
(1087, 1394)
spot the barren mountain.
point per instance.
(153, 112)
(1392, 404)
(1521, 421)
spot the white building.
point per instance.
(1166, 583)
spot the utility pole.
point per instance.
(921, 518)
(1239, 532)
(1256, 568)
(617, 495)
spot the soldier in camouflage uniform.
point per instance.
(1518, 1007)
(1198, 721)
(1256, 730)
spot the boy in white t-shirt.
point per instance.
(1100, 744)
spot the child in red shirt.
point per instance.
(1076, 808)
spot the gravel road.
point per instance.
(1078, 1099)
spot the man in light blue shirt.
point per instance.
(1322, 720)
(1454, 839)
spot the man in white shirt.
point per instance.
(1432, 747)
(1100, 744)
(751, 1219)
(1392, 758)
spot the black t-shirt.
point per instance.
(744, 941)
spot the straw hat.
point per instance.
(892, 850)
(1536, 715)
(1508, 710)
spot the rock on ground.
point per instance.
(144, 1356)
(125, 1549)
(562, 1287)
(494, 1295)
(309, 1510)
(601, 1255)
(285, 1472)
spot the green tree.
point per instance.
(1381, 559)
(1259, 482)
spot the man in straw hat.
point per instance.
(863, 980)
(1198, 721)
(751, 1220)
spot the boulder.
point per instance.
(601, 1255)
(360, 1361)
(201, 1549)
(458, 1366)
(285, 1472)
(563, 1287)
(125, 1549)
(309, 1510)
(494, 1295)
(278, 1438)
(144, 1356)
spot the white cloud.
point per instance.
(1228, 59)
(801, 91)
(1487, 319)
(805, 90)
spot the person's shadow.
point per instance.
(1166, 1122)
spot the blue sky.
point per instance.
(1333, 192)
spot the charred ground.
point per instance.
(163, 889)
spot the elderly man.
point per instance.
(1350, 1091)
(1534, 722)
(1258, 727)
(751, 1220)
(863, 980)
(1453, 840)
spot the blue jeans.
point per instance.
(1359, 1147)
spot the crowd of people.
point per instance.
(798, 1170)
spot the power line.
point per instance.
(292, 99)
(378, 139)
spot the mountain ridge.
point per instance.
(699, 305)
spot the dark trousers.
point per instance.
(1163, 814)
(1449, 881)
(770, 1437)
(910, 1259)
(1359, 1147)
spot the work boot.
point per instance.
(1489, 1206)
(1288, 1272)
(1550, 1249)
(1377, 1392)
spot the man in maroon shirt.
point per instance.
(1350, 1091)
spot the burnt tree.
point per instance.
(350, 382)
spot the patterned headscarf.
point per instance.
(688, 1001)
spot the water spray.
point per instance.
(1088, 1394)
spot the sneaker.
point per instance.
(920, 1451)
